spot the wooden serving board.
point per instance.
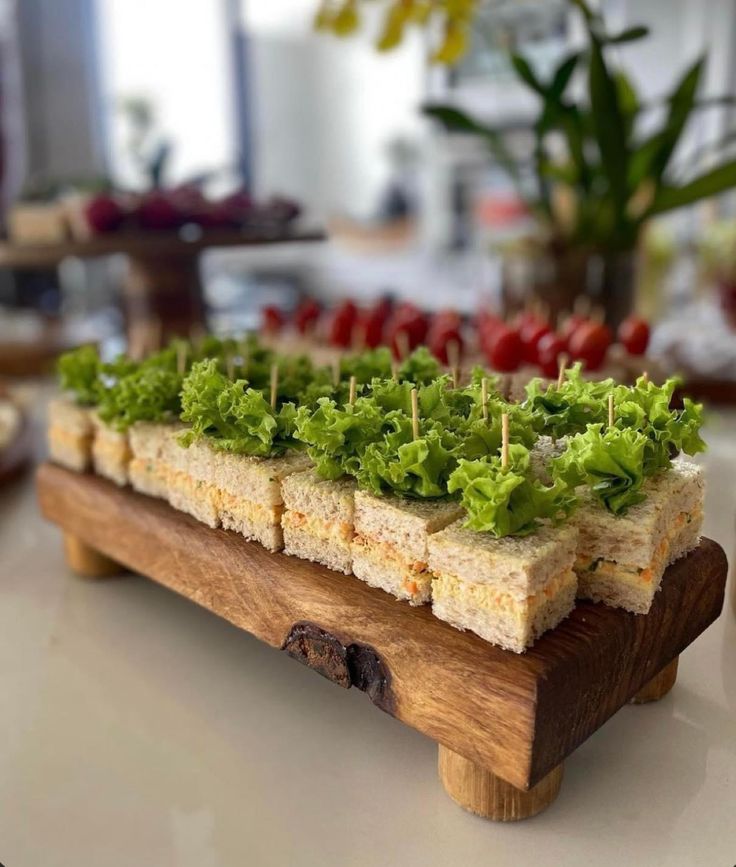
(517, 716)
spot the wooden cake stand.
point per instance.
(163, 283)
(504, 722)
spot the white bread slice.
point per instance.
(621, 560)
(70, 434)
(110, 452)
(318, 519)
(519, 566)
(390, 544)
(147, 472)
(497, 617)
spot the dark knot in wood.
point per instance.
(347, 665)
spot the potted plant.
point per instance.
(595, 178)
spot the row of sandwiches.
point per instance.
(507, 590)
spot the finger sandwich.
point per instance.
(621, 558)
(390, 546)
(70, 434)
(318, 519)
(508, 591)
(111, 452)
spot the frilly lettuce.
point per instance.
(337, 434)
(412, 468)
(420, 367)
(146, 394)
(568, 410)
(507, 502)
(646, 407)
(79, 372)
(611, 462)
(231, 416)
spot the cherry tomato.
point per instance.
(590, 343)
(410, 321)
(549, 349)
(273, 319)
(634, 334)
(531, 333)
(440, 340)
(504, 352)
(369, 326)
(571, 325)
(104, 213)
(306, 315)
(342, 322)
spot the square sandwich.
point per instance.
(621, 558)
(318, 519)
(509, 590)
(390, 545)
(110, 451)
(70, 434)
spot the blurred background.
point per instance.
(171, 166)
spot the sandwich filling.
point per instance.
(340, 532)
(411, 577)
(589, 568)
(489, 599)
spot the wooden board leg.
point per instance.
(658, 686)
(87, 561)
(483, 793)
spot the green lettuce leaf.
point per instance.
(413, 468)
(611, 462)
(147, 393)
(565, 411)
(79, 372)
(420, 367)
(508, 502)
(231, 416)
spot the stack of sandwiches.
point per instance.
(70, 434)
(507, 590)
(621, 558)
(391, 544)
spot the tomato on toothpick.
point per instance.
(273, 319)
(409, 321)
(550, 350)
(446, 344)
(531, 333)
(634, 334)
(306, 316)
(504, 350)
(341, 324)
(590, 344)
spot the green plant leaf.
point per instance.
(526, 74)
(631, 34)
(562, 76)
(710, 183)
(609, 125)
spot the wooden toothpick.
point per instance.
(645, 376)
(181, 359)
(414, 414)
(274, 384)
(336, 372)
(611, 411)
(394, 370)
(358, 337)
(563, 367)
(402, 344)
(453, 354)
(230, 366)
(455, 377)
(505, 441)
(484, 397)
(351, 398)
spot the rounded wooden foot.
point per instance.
(87, 561)
(483, 793)
(659, 685)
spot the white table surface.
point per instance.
(138, 729)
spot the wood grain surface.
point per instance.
(517, 716)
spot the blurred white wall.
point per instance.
(325, 109)
(176, 54)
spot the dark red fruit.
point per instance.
(342, 322)
(531, 332)
(307, 315)
(104, 213)
(634, 334)
(505, 350)
(273, 319)
(549, 351)
(590, 343)
(158, 211)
